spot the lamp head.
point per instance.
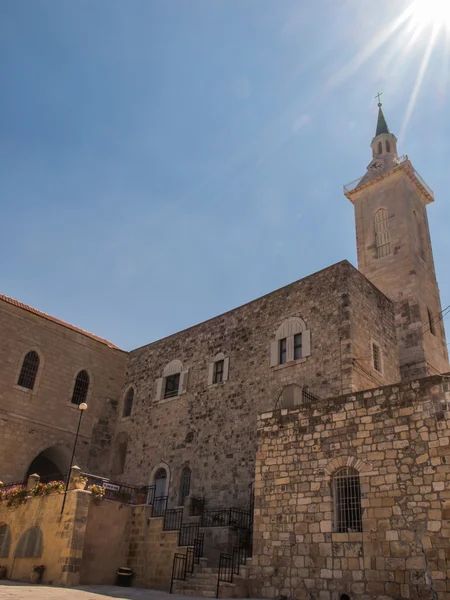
(82, 406)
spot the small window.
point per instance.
(297, 346)
(431, 322)
(388, 146)
(185, 485)
(81, 387)
(380, 148)
(128, 403)
(28, 373)
(282, 348)
(160, 483)
(347, 501)
(382, 235)
(376, 352)
(218, 371)
(172, 385)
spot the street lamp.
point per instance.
(81, 407)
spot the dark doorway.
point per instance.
(344, 597)
(50, 465)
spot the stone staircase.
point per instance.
(203, 583)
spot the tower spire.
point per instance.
(381, 123)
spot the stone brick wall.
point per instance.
(212, 429)
(62, 536)
(33, 421)
(398, 439)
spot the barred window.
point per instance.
(81, 387)
(218, 371)
(172, 385)
(282, 349)
(382, 235)
(30, 544)
(347, 501)
(376, 353)
(29, 370)
(128, 403)
(5, 540)
(160, 483)
(185, 485)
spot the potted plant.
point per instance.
(141, 496)
(80, 482)
(37, 573)
(3, 571)
(98, 493)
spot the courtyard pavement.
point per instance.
(10, 590)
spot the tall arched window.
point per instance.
(29, 370)
(380, 148)
(30, 544)
(185, 484)
(382, 235)
(81, 387)
(347, 501)
(160, 482)
(128, 403)
(5, 540)
(388, 146)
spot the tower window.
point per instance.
(128, 403)
(185, 485)
(282, 350)
(218, 371)
(380, 148)
(29, 370)
(382, 235)
(81, 387)
(172, 385)
(297, 346)
(347, 501)
(431, 322)
(388, 146)
(376, 354)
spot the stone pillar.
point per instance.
(74, 473)
(32, 481)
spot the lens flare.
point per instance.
(423, 13)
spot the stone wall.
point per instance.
(34, 421)
(398, 439)
(106, 542)
(62, 536)
(212, 428)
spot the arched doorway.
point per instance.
(160, 482)
(50, 464)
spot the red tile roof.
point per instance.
(57, 321)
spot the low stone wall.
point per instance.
(397, 439)
(62, 536)
(106, 542)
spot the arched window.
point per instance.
(382, 235)
(292, 342)
(81, 387)
(29, 370)
(185, 484)
(128, 403)
(5, 540)
(388, 146)
(347, 501)
(160, 482)
(30, 544)
(380, 148)
(173, 382)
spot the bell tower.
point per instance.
(395, 251)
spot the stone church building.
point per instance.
(329, 393)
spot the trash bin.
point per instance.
(124, 576)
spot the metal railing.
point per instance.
(226, 517)
(308, 398)
(121, 492)
(229, 564)
(5, 486)
(173, 518)
(188, 534)
(183, 564)
(159, 506)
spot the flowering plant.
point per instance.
(39, 569)
(15, 495)
(97, 491)
(80, 479)
(43, 489)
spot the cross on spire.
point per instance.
(378, 98)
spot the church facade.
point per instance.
(343, 369)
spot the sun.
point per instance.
(423, 13)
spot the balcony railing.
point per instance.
(350, 187)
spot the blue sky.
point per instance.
(163, 162)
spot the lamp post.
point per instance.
(81, 407)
